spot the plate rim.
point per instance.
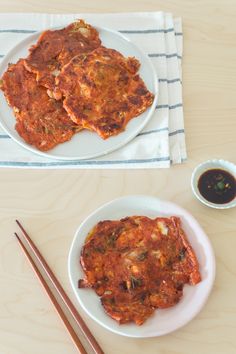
(157, 200)
(34, 36)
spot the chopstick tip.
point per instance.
(16, 235)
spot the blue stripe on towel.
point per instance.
(12, 30)
(176, 106)
(170, 81)
(178, 131)
(80, 162)
(148, 31)
(153, 131)
(151, 55)
(121, 31)
(5, 136)
(16, 31)
(168, 106)
(168, 56)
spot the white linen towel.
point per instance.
(159, 35)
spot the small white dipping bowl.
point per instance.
(208, 165)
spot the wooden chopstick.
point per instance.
(70, 329)
(61, 292)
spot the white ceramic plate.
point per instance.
(163, 321)
(86, 144)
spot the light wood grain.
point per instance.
(53, 203)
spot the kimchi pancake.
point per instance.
(137, 265)
(103, 91)
(55, 48)
(40, 120)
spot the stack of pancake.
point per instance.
(70, 82)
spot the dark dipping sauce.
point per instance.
(217, 186)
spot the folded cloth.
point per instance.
(159, 35)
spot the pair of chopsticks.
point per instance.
(60, 291)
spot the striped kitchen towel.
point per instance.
(159, 35)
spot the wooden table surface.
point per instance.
(52, 203)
